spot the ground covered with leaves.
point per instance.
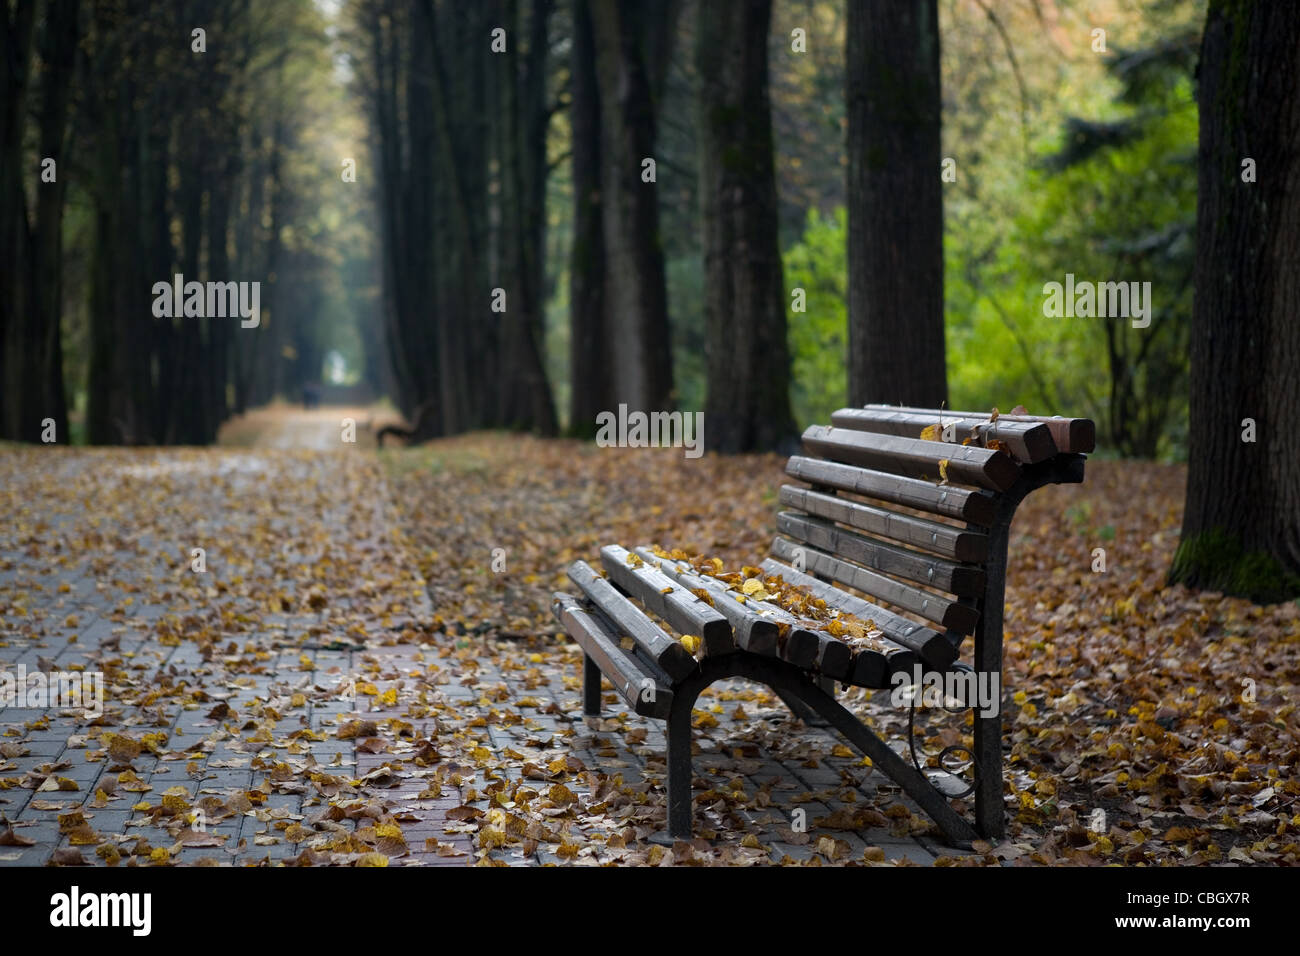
(1149, 724)
(366, 671)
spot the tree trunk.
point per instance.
(58, 52)
(748, 403)
(17, 347)
(635, 287)
(1241, 525)
(895, 203)
(465, 347)
(521, 152)
(589, 349)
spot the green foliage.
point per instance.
(818, 337)
(1113, 201)
(685, 280)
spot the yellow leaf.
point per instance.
(943, 471)
(691, 642)
(752, 586)
(703, 719)
(932, 432)
(561, 796)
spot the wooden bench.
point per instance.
(875, 534)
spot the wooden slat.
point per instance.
(962, 579)
(914, 457)
(977, 507)
(1027, 442)
(805, 645)
(1070, 435)
(633, 679)
(958, 543)
(875, 659)
(835, 658)
(934, 648)
(754, 632)
(659, 647)
(676, 605)
(950, 615)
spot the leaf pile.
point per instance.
(1162, 716)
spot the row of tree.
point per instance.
(172, 137)
(461, 99)
(164, 132)
(173, 127)
(461, 183)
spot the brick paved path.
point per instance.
(295, 702)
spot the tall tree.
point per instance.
(589, 347)
(632, 41)
(748, 397)
(895, 203)
(1241, 525)
(523, 118)
(17, 30)
(32, 352)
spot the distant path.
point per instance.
(289, 426)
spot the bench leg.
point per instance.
(990, 814)
(590, 687)
(679, 768)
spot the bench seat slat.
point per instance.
(934, 649)
(977, 507)
(951, 542)
(1072, 436)
(659, 647)
(804, 647)
(1028, 442)
(867, 665)
(914, 457)
(754, 632)
(600, 641)
(930, 644)
(960, 579)
(678, 606)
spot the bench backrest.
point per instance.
(919, 525)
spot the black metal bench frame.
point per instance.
(806, 693)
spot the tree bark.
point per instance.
(17, 344)
(895, 203)
(521, 152)
(1241, 525)
(635, 287)
(748, 400)
(589, 350)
